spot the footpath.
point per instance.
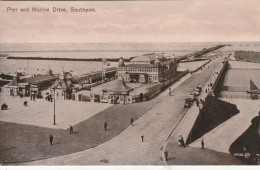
(220, 138)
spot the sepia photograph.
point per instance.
(130, 83)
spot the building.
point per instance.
(62, 87)
(29, 86)
(118, 93)
(12, 88)
(39, 83)
(148, 68)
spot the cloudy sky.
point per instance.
(135, 21)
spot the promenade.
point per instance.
(161, 115)
(216, 143)
(220, 138)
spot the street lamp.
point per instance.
(54, 116)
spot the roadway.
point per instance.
(156, 124)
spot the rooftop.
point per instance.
(39, 79)
(140, 65)
(119, 88)
(145, 59)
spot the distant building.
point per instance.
(63, 87)
(119, 93)
(148, 68)
(31, 85)
(12, 87)
(39, 83)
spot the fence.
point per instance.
(236, 96)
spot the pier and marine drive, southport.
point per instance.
(160, 120)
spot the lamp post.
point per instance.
(102, 71)
(54, 116)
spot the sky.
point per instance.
(132, 21)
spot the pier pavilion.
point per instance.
(148, 68)
(118, 93)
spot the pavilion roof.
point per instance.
(119, 88)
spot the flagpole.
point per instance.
(102, 71)
(54, 115)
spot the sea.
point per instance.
(95, 50)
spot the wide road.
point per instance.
(156, 124)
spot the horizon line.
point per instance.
(128, 42)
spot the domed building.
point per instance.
(148, 68)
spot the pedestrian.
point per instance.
(71, 129)
(142, 138)
(25, 103)
(170, 91)
(166, 155)
(51, 139)
(202, 143)
(105, 126)
(197, 103)
(181, 142)
(132, 120)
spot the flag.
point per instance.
(253, 87)
(105, 62)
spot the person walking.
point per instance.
(105, 126)
(181, 141)
(197, 103)
(202, 143)
(51, 139)
(142, 137)
(170, 91)
(166, 155)
(132, 121)
(71, 129)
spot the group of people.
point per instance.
(49, 98)
(4, 106)
(114, 101)
(182, 143)
(33, 96)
